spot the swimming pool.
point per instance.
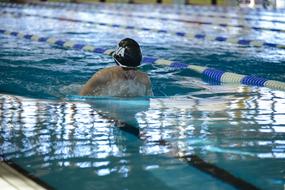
(196, 133)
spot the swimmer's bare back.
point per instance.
(119, 82)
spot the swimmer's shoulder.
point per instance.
(107, 70)
(143, 77)
(116, 72)
(110, 70)
(106, 73)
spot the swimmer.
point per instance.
(122, 80)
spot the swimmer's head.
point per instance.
(128, 54)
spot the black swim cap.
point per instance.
(128, 53)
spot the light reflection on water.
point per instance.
(245, 129)
(240, 129)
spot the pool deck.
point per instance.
(10, 179)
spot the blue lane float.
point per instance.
(214, 74)
(189, 36)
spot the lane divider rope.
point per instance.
(213, 74)
(165, 9)
(240, 19)
(170, 9)
(224, 25)
(222, 9)
(178, 8)
(189, 36)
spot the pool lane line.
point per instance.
(213, 74)
(36, 5)
(188, 36)
(191, 159)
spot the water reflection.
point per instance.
(244, 128)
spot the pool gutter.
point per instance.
(13, 177)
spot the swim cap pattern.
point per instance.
(128, 53)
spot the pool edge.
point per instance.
(16, 177)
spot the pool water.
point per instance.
(73, 142)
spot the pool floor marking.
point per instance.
(223, 25)
(189, 36)
(217, 172)
(214, 74)
(191, 160)
(70, 7)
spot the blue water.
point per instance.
(73, 142)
